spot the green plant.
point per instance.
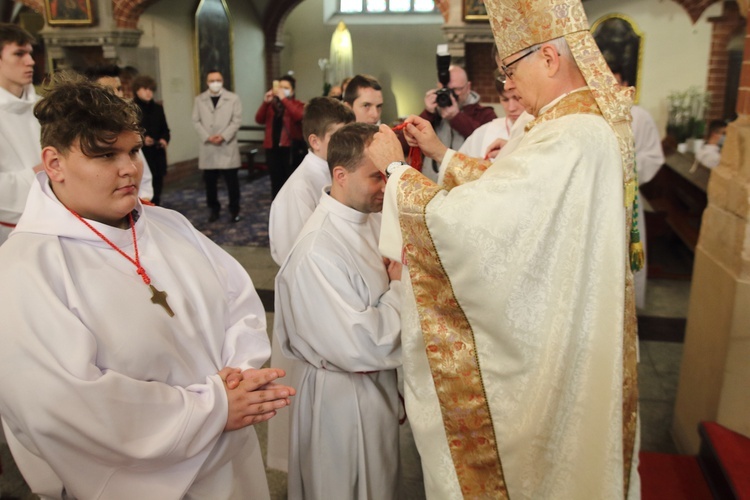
(686, 113)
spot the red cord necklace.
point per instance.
(415, 154)
(157, 296)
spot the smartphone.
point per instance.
(275, 85)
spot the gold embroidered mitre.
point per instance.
(520, 24)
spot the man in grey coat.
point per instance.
(217, 116)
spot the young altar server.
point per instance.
(301, 192)
(290, 209)
(121, 323)
(337, 305)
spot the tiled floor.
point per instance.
(658, 372)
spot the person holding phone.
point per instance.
(281, 113)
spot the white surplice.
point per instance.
(291, 208)
(477, 143)
(294, 204)
(338, 314)
(101, 392)
(20, 152)
(536, 256)
(649, 157)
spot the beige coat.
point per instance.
(224, 119)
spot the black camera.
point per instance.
(444, 94)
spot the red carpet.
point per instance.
(733, 453)
(671, 477)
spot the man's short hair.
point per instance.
(213, 70)
(144, 82)
(292, 81)
(74, 108)
(561, 44)
(360, 82)
(93, 73)
(347, 146)
(12, 33)
(321, 113)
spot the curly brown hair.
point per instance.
(74, 108)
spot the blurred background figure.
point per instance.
(336, 92)
(281, 113)
(127, 75)
(710, 153)
(156, 131)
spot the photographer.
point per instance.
(454, 111)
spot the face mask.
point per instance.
(287, 92)
(215, 87)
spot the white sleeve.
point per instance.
(709, 155)
(649, 156)
(391, 241)
(289, 212)
(85, 418)
(324, 320)
(14, 189)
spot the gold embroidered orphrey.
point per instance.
(451, 350)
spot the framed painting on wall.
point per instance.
(474, 10)
(68, 12)
(214, 42)
(621, 44)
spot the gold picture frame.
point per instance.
(68, 12)
(214, 42)
(474, 10)
(621, 43)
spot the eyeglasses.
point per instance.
(507, 73)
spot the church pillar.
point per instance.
(715, 371)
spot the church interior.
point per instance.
(690, 63)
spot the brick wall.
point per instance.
(725, 27)
(743, 97)
(480, 68)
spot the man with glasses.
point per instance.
(518, 324)
(454, 123)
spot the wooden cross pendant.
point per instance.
(159, 297)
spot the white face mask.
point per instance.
(287, 92)
(215, 87)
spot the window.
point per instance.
(385, 6)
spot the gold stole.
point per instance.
(450, 348)
(449, 340)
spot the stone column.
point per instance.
(715, 373)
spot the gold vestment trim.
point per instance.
(451, 350)
(462, 169)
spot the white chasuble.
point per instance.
(338, 315)
(104, 394)
(513, 336)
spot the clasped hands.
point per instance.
(253, 396)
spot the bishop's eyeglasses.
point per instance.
(506, 72)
